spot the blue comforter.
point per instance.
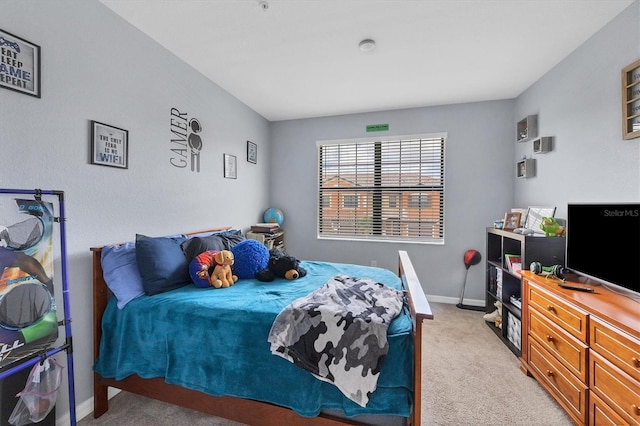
(215, 341)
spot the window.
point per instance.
(387, 189)
(417, 201)
(350, 201)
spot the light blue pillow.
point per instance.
(120, 271)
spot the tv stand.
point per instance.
(583, 348)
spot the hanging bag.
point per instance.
(39, 395)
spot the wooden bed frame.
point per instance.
(238, 409)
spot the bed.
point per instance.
(216, 358)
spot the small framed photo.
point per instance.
(22, 61)
(109, 145)
(252, 152)
(230, 166)
(511, 221)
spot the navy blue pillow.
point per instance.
(162, 264)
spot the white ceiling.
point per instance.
(300, 58)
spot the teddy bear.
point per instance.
(213, 268)
(495, 316)
(281, 265)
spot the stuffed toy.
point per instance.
(495, 316)
(213, 269)
(552, 228)
(282, 266)
(251, 257)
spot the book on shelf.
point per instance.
(513, 263)
(265, 227)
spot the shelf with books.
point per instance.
(271, 240)
(508, 254)
(265, 227)
(513, 262)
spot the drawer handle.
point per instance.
(635, 361)
(549, 373)
(549, 338)
(550, 308)
(635, 409)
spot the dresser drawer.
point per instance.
(565, 348)
(570, 392)
(621, 349)
(568, 317)
(616, 388)
(600, 414)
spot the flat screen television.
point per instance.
(603, 244)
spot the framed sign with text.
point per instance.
(252, 152)
(19, 64)
(109, 145)
(230, 166)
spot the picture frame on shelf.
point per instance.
(534, 216)
(523, 215)
(252, 152)
(24, 59)
(511, 221)
(109, 145)
(230, 166)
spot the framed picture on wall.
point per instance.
(22, 59)
(252, 152)
(109, 145)
(230, 166)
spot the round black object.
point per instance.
(23, 305)
(471, 257)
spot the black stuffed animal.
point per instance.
(282, 266)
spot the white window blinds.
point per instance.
(386, 189)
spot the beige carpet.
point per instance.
(469, 376)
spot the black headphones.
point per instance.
(557, 271)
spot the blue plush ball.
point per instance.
(250, 257)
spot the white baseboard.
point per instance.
(83, 409)
(454, 300)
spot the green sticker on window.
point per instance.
(377, 127)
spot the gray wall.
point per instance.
(579, 104)
(478, 179)
(95, 66)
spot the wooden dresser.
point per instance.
(584, 349)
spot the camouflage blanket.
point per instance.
(339, 333)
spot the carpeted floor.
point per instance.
(469, 376)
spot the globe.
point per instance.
(273, 215)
